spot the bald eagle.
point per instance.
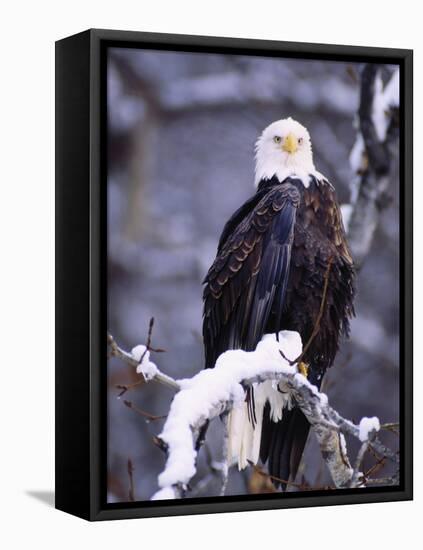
(273, 258)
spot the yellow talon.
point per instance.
(303, 369)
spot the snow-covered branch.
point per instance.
(370, 158)
(139, 358)
(216, 392)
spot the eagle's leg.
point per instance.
(303, 368)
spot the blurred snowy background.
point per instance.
(182, 129)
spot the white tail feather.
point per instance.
(244, 439)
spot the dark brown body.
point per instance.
(269, 275)
(319, 238)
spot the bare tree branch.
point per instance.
(371, 158)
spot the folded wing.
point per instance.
(246, 284)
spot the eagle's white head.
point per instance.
(284, 149)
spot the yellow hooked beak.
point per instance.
(290, 144)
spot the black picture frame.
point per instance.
(81, 291)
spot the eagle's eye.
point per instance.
(300, 140)
(277, 139)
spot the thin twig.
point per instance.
(145, 414)
(148, 346)
(128, 358)
(375, 468)
(131, 495)
(391, 427)
(301, 486)
(126, 387)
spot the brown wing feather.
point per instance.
(239, 289)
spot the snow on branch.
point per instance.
(371, 157)
(215, 392)
(139, 358)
